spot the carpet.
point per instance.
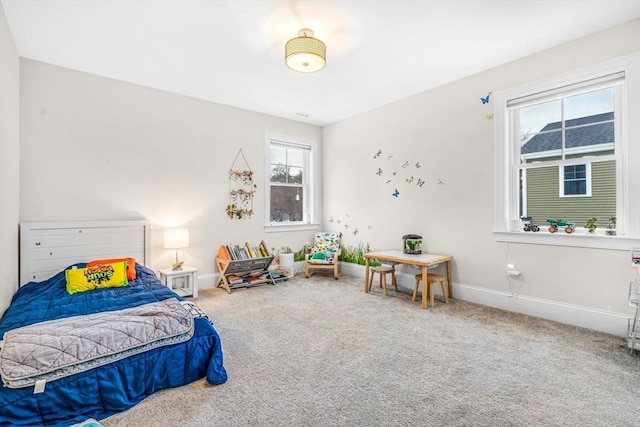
(321, 352)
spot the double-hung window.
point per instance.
(575, 180)
(568, 149)
(292, 178)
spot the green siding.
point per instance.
(543, 200)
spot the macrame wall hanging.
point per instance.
(241, 188)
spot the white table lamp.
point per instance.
(176, 238)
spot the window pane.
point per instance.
(295, 175)
(278, 155)
(294, 157)
(539, 118)
(588, 104)
(589, 121)
(575, 188)
(286, 203)
(541, 192)
(279, 173)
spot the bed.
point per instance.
(116, 380)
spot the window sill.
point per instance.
(578, 239)
(289, 226)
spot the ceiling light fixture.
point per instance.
(305, 53)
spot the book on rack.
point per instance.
(233, 279)
(243, 252)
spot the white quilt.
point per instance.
(58, 348)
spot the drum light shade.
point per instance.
(305, 53)
(176, 238)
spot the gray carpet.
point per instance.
(320, 352)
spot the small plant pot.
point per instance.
(286, 263)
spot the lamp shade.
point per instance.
(176, 238)
(305, 53)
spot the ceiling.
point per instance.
(232, 51)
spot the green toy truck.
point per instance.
(554, 224)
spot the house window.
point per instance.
(575, 180)
(565, 150)
(291, 177)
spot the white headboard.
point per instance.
(48, 247)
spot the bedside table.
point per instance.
(187, 275)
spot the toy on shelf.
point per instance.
(527, 225)
(531, 227)
(554, 224)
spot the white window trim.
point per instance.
(587, 179)
(509, 229)
(312, 173)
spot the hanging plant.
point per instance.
(241, 189)
(245, 175)
(234, 212)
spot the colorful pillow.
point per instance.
(96, 277)
(325, 257)
(131, 265)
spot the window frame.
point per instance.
(507, 225)
(310, 183)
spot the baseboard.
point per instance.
(585, 317)
(207, 280)
(598, 320)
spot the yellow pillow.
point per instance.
(96, 277)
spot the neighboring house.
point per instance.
(577, 191)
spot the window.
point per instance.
(291, 175)
(566, 149)
(575, 180)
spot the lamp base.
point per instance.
(176, 266)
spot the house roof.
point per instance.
(579, 133)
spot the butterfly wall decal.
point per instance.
(377, 154)
(405, 164)
(388, 181)
(420, 182)
(379, 173)
(485, 100)
(331, 220)
(418, 165)
(355, 232)
(490, 116)
(395, 193)
(409, 180)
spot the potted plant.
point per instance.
(611, 226)
(591, 225)
(285, 260)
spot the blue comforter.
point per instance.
(112, 388)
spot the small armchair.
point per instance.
(324, 254)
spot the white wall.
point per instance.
(95, 148)
(446, 130)
(9, 163)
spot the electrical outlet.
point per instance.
(513, 273)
